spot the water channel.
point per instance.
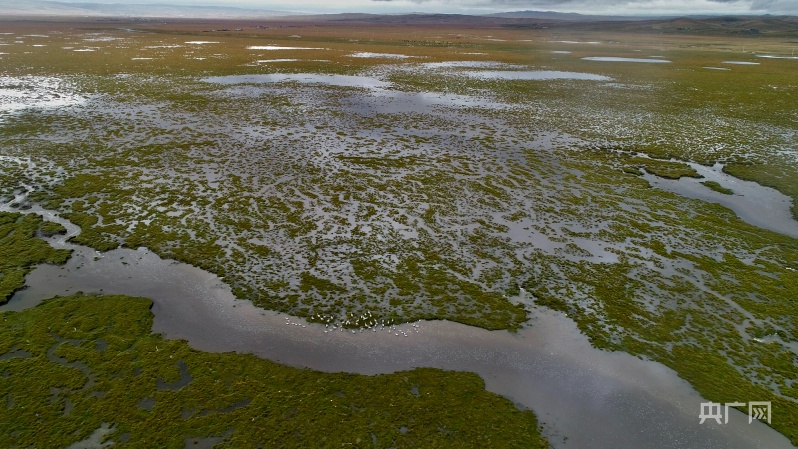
(585, 397)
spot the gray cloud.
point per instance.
(761, 6)
(614, 7)
(776, 6)
(593, 4)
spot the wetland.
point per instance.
(377, 219)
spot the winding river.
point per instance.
(584, 397)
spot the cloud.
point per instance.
(789, 7)
(608, 7)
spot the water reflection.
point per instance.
(535, 75)
(617, 59)
(755, 204)
(309, 78)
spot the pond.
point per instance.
(305, 78)
(280, 47)
(368, 54)
(617, 59)
(535, 75)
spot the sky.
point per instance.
(602, 7)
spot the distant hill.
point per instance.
(412, 19)
(698, 25)
(781, 26)
(725, 25)
(566, 16)
(55, 8)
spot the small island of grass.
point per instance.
(718, 188)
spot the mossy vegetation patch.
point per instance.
(714, 185)
(665, 169)
(21, 249)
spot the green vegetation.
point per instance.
(777, 173)
(718, 188)
(698, 338)
(434, 198)
(50, 228)
(21, 250)
(706, 313)
(665, 169)
(73, 364)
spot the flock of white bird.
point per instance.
(357, 324)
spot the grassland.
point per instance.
(439, 195)
(79, 366)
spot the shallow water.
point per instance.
(309, 78)
(755, 204)
(616, 59)
(36, 92)
(383, 101)
(578, 42)
(468, 64)
(368, 54)
(584, 397)
(777, 56)
(261, 61)
(95, 440)
(279, 47)
(535, 75)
